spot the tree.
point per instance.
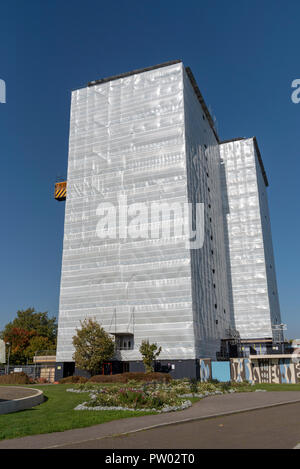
(37, 345)
(28, 333)
(149, 353)
(30, 320)
(19, 340)
(93, 346)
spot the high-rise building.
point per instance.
(142, 147)
(254, 289)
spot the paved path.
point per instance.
(206, 408)
(270, 428)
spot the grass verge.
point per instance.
(277, 387)
(57, 414)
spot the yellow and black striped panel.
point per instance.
(60, 192)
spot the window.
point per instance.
(217, 322)
(216, 305)
(224, 311)
(214, 285)
(124, 342)
(213, 271)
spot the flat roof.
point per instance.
(165, 64)
(133, 72)
(264, 174)
(281, 355)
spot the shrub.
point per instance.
(213, 381)
(193, 385)
(41, 380)
(224, 386)
(130, 376)
(240, 385)
(16, 378)
(207, 387)
(73, 379)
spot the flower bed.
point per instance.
(149, 397)
(133, 398)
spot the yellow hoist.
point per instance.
(60, 191)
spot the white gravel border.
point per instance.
(183, 406)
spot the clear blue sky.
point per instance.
(244, 55)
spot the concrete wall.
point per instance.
(23, 403)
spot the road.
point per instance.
(271, 428)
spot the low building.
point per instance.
(47, 366)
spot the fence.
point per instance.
(35, 372)
(255, 369)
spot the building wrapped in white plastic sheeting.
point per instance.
(146, 137)
(137, 140)
(255, 294)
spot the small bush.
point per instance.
(15, 378)
(224, 386)
(41, 380)
(73, 379)
(207, 386)
(240, 384)
(131, 376)
(193, 385)
(213, 381)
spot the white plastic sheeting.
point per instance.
(212, 314)
(2, 351)
(255, 296)
(144, 137)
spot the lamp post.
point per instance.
(8, 356)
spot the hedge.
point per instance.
(73, 379)
(15, 378)
(125, 377)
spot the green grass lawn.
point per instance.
(277, 387)
(57, 414)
